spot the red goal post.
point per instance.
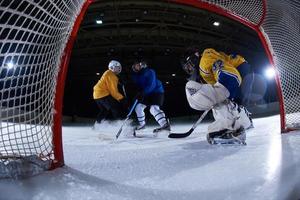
(36, 40)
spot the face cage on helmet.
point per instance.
(143, 65)
(189, 66)
(117, 69)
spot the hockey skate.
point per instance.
(165, 127)
(227, 137)
(138, 128)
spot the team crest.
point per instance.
(218, 65)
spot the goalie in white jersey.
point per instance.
(216, 81)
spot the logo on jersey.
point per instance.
(192, 91)
(218, 65)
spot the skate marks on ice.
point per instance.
(106, 131)
(106, 134)
(145, 136)
(149, 132)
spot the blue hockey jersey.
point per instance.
(147, 81)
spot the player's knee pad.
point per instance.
(155, 109)
(204, 96)
(139, 109)
(158, 114)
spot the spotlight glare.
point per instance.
(216, 23)
(10, 65)
(99, 21)
(270, 72)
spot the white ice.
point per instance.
(100, 167)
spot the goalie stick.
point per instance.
(127, 117)
(186, 134)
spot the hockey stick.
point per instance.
(186, 134)
(124, 91)
(127, 117)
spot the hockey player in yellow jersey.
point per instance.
(107, 95)
(215, 82)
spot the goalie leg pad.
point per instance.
(244, 118)
(226, 117)
(204, 96)
(229, 115)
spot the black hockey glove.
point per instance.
(140, 96)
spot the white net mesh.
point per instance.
(252, 11)
(33, 35)
(282, 25)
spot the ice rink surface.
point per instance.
(154, 168)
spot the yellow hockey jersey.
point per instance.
(107, 85)
(212, 62)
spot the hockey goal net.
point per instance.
(35, 43)
(34, 36)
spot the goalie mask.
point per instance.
(115, 66)
(190, 61)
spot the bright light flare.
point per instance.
(270, 73)
(99, 21)
(10, 65)
(216, 23)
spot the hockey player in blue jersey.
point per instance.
(215, 84)
(151, 93)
